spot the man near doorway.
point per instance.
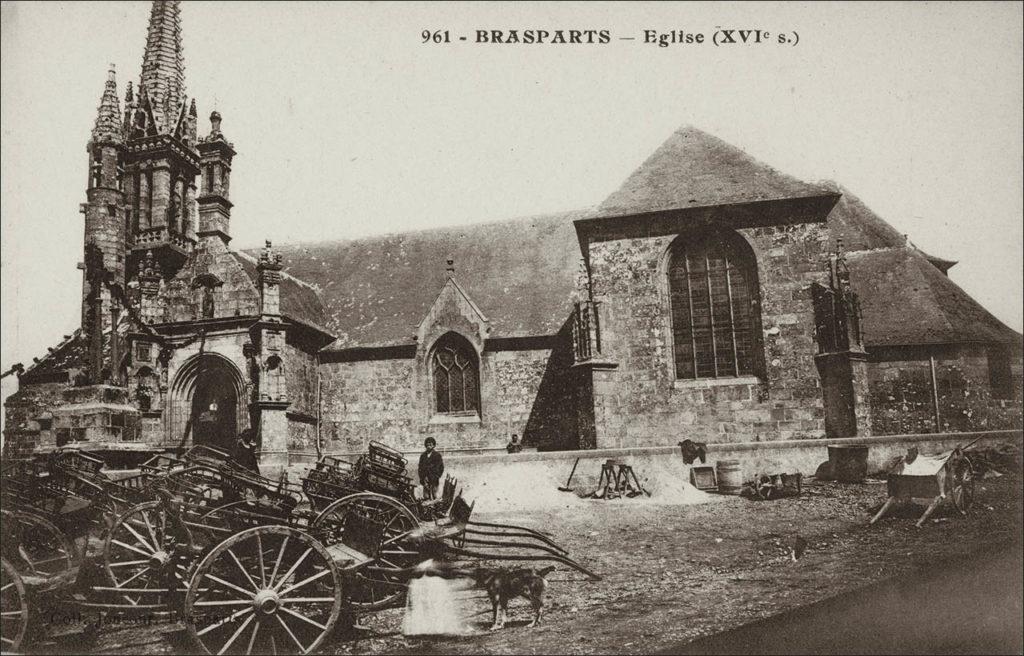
(430, 469)
(206, 425)
(245, 450)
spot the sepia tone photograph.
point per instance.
(503, 328)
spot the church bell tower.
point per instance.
(105, 238)
(161, 160)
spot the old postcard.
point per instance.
(584, 328)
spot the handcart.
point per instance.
(948, 477)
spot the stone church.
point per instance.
(710, 297)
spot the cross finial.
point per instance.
(450, 271)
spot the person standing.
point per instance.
(515, 446)
(245, 450)
(431, 468)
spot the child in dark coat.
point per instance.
(431, 468)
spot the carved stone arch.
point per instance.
(206, 279)
(201, 381)
(147, 389)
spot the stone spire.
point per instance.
(108, 119)
(163, 64)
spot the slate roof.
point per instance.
(376, 290)
(693, 169)
(299, 300)
(906, 297)
(71, 353)
(907, 300)
(862, 229)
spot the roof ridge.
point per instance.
(933, 295)
(50, 351)
(440, 229)
(308, 285)
(694, 168)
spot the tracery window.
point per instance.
(455, 376)
(715, 307)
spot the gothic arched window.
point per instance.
(715, 306)
(455, 375)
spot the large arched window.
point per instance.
(715, 305)
(456, 376)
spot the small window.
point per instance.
(455, 376)
(143, 352)
(1000, 375)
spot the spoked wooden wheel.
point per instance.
(963, 485)
(13, 608)
(140, 552)
(37, 546)
(375, 586)
(269, 589)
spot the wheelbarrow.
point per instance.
(946, 477)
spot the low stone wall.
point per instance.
(522, 481)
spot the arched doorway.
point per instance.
(208, 403)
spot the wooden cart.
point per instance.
(945, 477)
(237, 558)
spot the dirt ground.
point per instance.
(674, 573)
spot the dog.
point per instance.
(503, 585)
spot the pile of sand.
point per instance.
(513, 488)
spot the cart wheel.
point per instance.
(374, 587)
(142, 551)
(272, 589)
(963, 485)
(37, 545)
(14, 614)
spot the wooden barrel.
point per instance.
(730, 476)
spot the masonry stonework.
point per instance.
(904, 400)
(641, 404)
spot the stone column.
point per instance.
(273, 389)
(161, 195)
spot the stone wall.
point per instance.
(529, 392)
(902, 395)
(23, 430)
(43, 416)
(640, 404)
(233, 295)
(300, 371)
(301, 376)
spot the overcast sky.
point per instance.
(347, 125)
